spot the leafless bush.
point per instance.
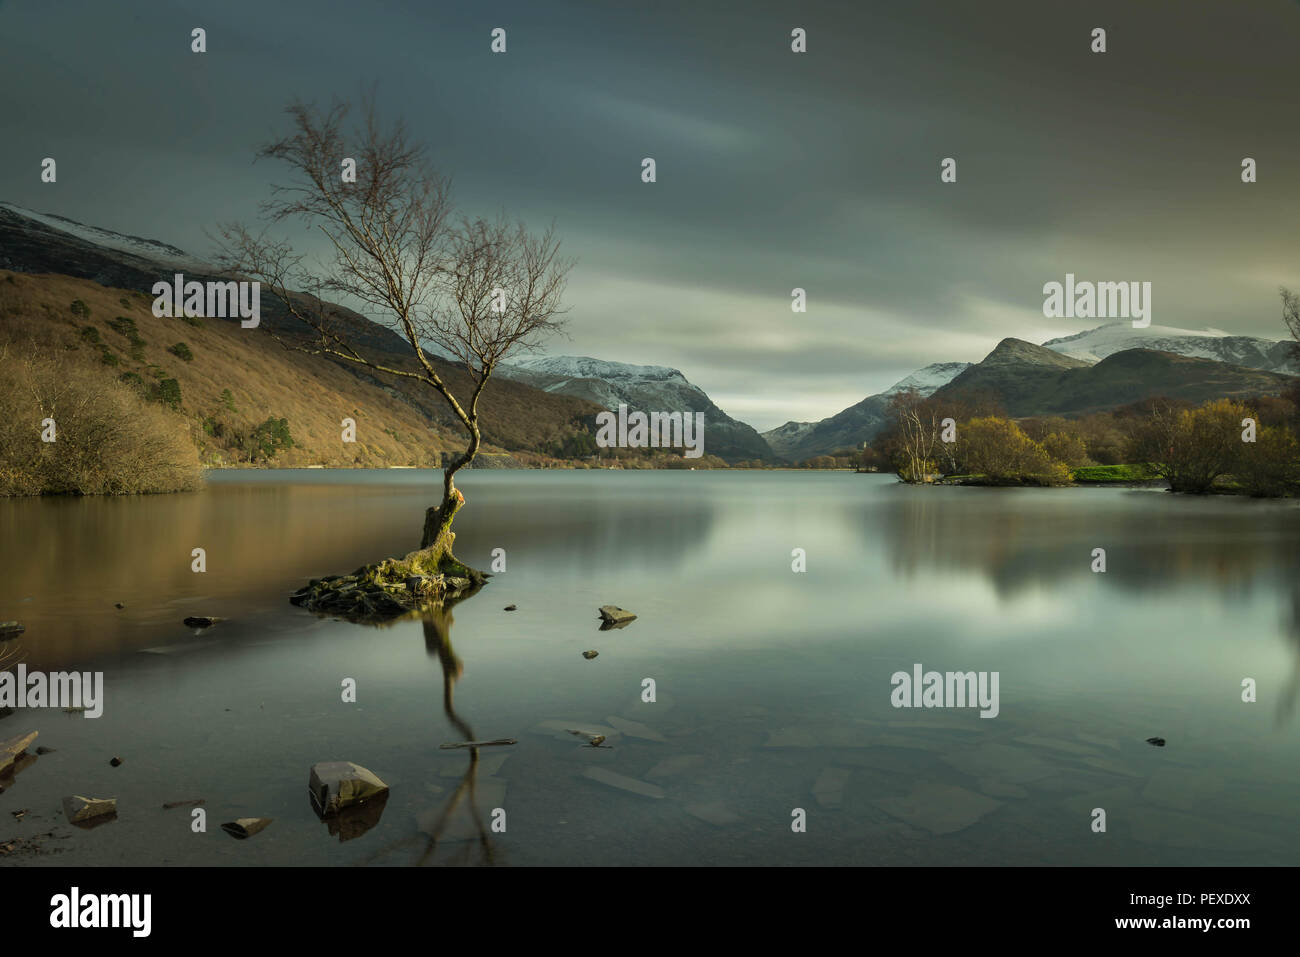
(107, 439)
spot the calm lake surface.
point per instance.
(773, 688)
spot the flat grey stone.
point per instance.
(715, 813)
(1001, 762)
(828, 789)
(623, 782)
(1185, 789)
(634, 729)
(677, 764)
(940, 808)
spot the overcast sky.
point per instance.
(775, 169)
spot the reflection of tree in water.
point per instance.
(435, 822)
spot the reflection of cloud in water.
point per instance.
(1290, 691)
(581, 535)
(1032, 538)
(1029, 540)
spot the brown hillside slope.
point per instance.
(398, 423)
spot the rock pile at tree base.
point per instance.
(390, 589)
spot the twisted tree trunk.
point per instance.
(437, 519)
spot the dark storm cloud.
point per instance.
(775, 170)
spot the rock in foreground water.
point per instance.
(201, 621)
(245, 827)
(335, 785)
(10, 749)
(80, 809)
(613, 615)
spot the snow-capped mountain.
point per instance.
(932, 377)
(640, 388)
(1093, 345)
(150, 249)
(795, 441)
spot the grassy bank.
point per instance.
(1140, 472)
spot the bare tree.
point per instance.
(917, 422)
(1291, 315)
(478, 289)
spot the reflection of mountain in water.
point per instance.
(1035, 539)
(1039, 537)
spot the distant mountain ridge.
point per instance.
(1035, 380)
(149, 249)
(641, 388)
(1089, 371)
(1093, 345)
(796, 441)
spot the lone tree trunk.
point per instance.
(479, 289)
(437, 518)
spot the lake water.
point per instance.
(773, 688)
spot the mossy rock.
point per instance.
(390, 589)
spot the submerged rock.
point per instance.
(81, 810)
(828, 789)
(635, 729)
(678, 764)
(715, 813)
(624, 783)
(245, 827)
(939, 808)
(11, 629)
(1184, 789)
(613, 615)
(335, 785)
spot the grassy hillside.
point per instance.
(228, 383)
